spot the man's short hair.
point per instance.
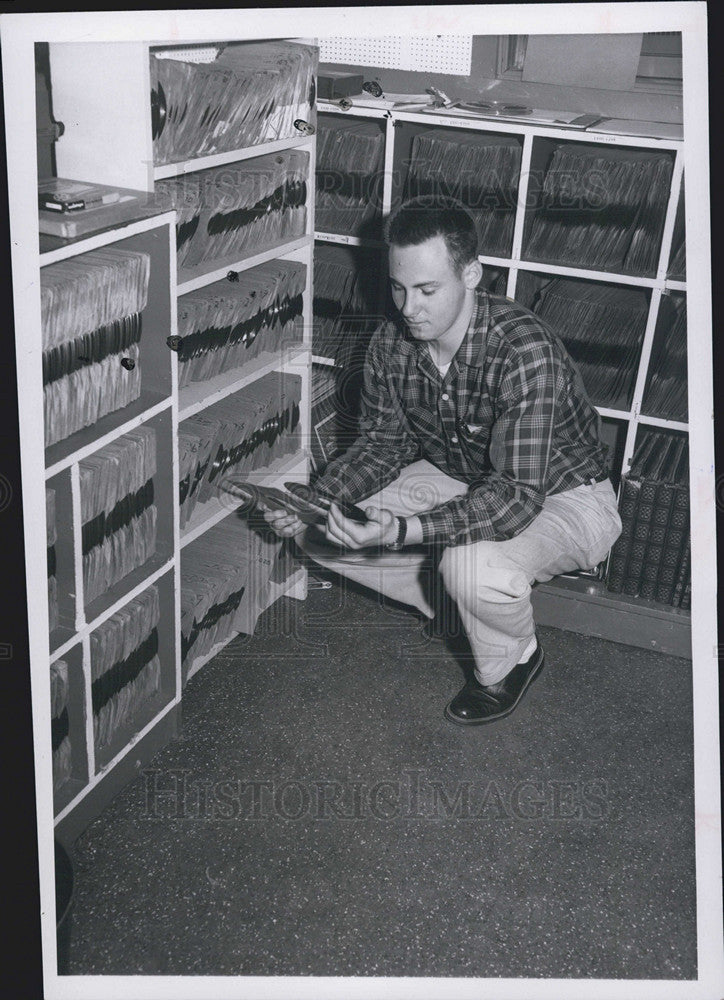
(421, 219)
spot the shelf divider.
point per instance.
(207, 161)
(191, 278)
(197, 396)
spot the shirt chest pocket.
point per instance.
(476, 421)
(474, 439)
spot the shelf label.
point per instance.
(333, 237)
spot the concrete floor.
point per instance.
(319, 816)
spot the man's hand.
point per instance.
(380, 529)
(286, 525)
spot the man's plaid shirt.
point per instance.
(510, 418)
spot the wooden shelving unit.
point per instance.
(70, 642)
(117, 148)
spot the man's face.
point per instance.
(426, 288)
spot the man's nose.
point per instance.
(410, 306)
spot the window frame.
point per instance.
(642, 85)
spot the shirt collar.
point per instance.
(473, 346)
(472, 350)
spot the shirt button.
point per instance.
(454, 439)
(445, 397)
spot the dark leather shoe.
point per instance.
(476, 705)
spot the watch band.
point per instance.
(401, 533)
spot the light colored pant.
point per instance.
(490, 582)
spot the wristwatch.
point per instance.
(401, 533)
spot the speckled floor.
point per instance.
(319, 816)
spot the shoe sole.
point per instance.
(500, 715)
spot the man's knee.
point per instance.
(481, 568)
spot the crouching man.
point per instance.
(478, 448)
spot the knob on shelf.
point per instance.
(232, 276)
(304, 127)
(128, 363)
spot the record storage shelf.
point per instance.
(98, 771)
(94, 147)
(579, 604)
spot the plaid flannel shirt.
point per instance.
(510, 418)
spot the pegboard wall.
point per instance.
(424, 53)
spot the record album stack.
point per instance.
(344, 307)
(602, 328)
(59, 726)
(666, 393)
(480, 170)
(117, 510)
(350, 159)
(602, 208)
(224, 579)
(229, 211)
(677, 260)
(652, 557)
(240, 435)
(249, 93)
(125, 666)
(224, 325)
(91, 311)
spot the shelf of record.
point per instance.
(227, 98)
(196, 104)
(248, 435)
(108, 378)
(116, 288)
(550, 199)
(110, 687)
(110, 514)
(110, 540)
(110, 525)
(237, 215)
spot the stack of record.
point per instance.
(59, 724)
(117, 510)
(652, 557)
(242, 207)
(239, 436)
(666, 393)
(225, 325)
(222, 595)
(602, 327)
(482, 171)
(350, 159)
(91, 309)
(252, 92)
(345, 310)
(602, 208)
(677, 258)
(125, 666)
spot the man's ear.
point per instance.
(472, 274)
